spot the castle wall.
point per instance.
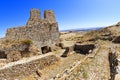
(42, 35)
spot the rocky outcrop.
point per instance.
(118, 24)
(102, 34)
(116, 39)
(16, 51)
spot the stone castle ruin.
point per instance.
(37, 37)
(43, 32)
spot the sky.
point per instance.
(70, 14)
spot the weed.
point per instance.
(27, 42)
(85, 73)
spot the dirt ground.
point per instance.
(96, 68)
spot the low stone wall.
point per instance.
(68, 51)
(116, 39)
(84, 48)
(19, 71)
(113, 54)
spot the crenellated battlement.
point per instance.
(35, 17)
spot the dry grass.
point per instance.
(30, 77)
(96, 68)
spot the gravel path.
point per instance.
(25, 60)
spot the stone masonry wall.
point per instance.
(20, 71)
(49, 15)
(44, 34)
(42, 31)
(35, 18)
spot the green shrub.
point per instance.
(27, 42)
(85, 74)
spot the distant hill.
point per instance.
(80, 30)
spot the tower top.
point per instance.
(50, 16)
(35, 14)
(35, 17)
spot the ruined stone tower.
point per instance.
(43, 32)
(35, 17)
(49, 15)
(35, 14)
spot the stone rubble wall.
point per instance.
(20, 71)
(44, 34)
(84, 48)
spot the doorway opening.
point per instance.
(45, 49)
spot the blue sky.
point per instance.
(70, 14)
